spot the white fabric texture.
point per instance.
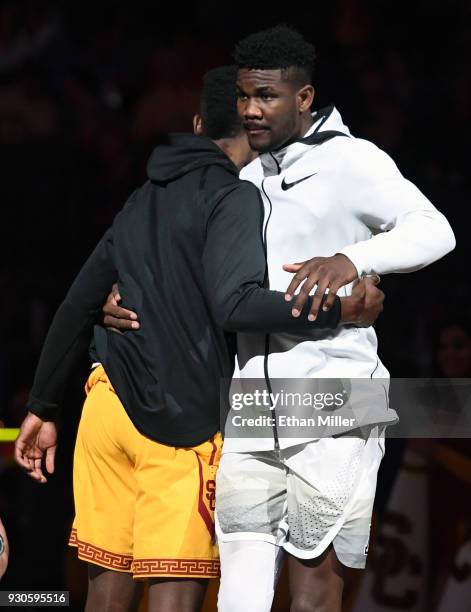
(249, 573)
(354, 201)
(303, 498)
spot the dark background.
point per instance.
(87, 90)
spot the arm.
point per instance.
(363, 306)
(67, 339)
(70, 331)
(69, 334)
(235, 269)
(410, 232)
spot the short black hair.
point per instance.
(219, 103)
(281, 47)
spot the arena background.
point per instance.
(87, 90)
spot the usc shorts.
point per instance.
(141, 506)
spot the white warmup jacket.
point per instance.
(344, 195)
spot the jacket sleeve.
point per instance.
(234, 265)
(409, 232)
(70, 332)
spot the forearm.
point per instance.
(66, 342)
(262, 310)
(410, 232)
(415, 242)
(70, 332)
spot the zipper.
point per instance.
(267, 336)
(277, 164)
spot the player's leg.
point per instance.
(331, 487)
(110, 591)
(182, 594)
(251, 499)
(249, 572)
(316, 585)
(174, 540)
(104, 495)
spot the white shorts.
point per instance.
(303, 498)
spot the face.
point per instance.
(275, 111)
(454, 352)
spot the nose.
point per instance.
(251, 110)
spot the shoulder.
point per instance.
(224, 191)
(243, 194)
(247, 188)
(134, 203)
(361, 157)
(225, 182)
(253, 172)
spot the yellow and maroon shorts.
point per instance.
(141, 506)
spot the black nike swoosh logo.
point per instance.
(285, 186)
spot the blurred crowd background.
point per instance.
(86, 92)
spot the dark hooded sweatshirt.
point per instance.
(188, 254)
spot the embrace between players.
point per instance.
(200, 257)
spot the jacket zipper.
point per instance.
(267, 336)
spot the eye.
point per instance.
(241, 96)
(267, 97)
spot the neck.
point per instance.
(230, 147)
(306, 123)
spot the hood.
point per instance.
(327, 124)
(184, 153)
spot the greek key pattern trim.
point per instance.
(94, 554)
(181, 567)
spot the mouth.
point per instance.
(255, 130)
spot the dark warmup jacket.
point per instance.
(188, 254)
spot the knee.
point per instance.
(240, 598)
(316, 602)
(105, 601)
(304, 603)
(247, 576)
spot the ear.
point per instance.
(305, 97)
(197, 124)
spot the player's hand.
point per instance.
(117, 318)
(36, 442)
(365, 304)
(325, 272)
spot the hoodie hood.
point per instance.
(183, 154)
(327, 123)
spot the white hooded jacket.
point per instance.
(325, 194)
